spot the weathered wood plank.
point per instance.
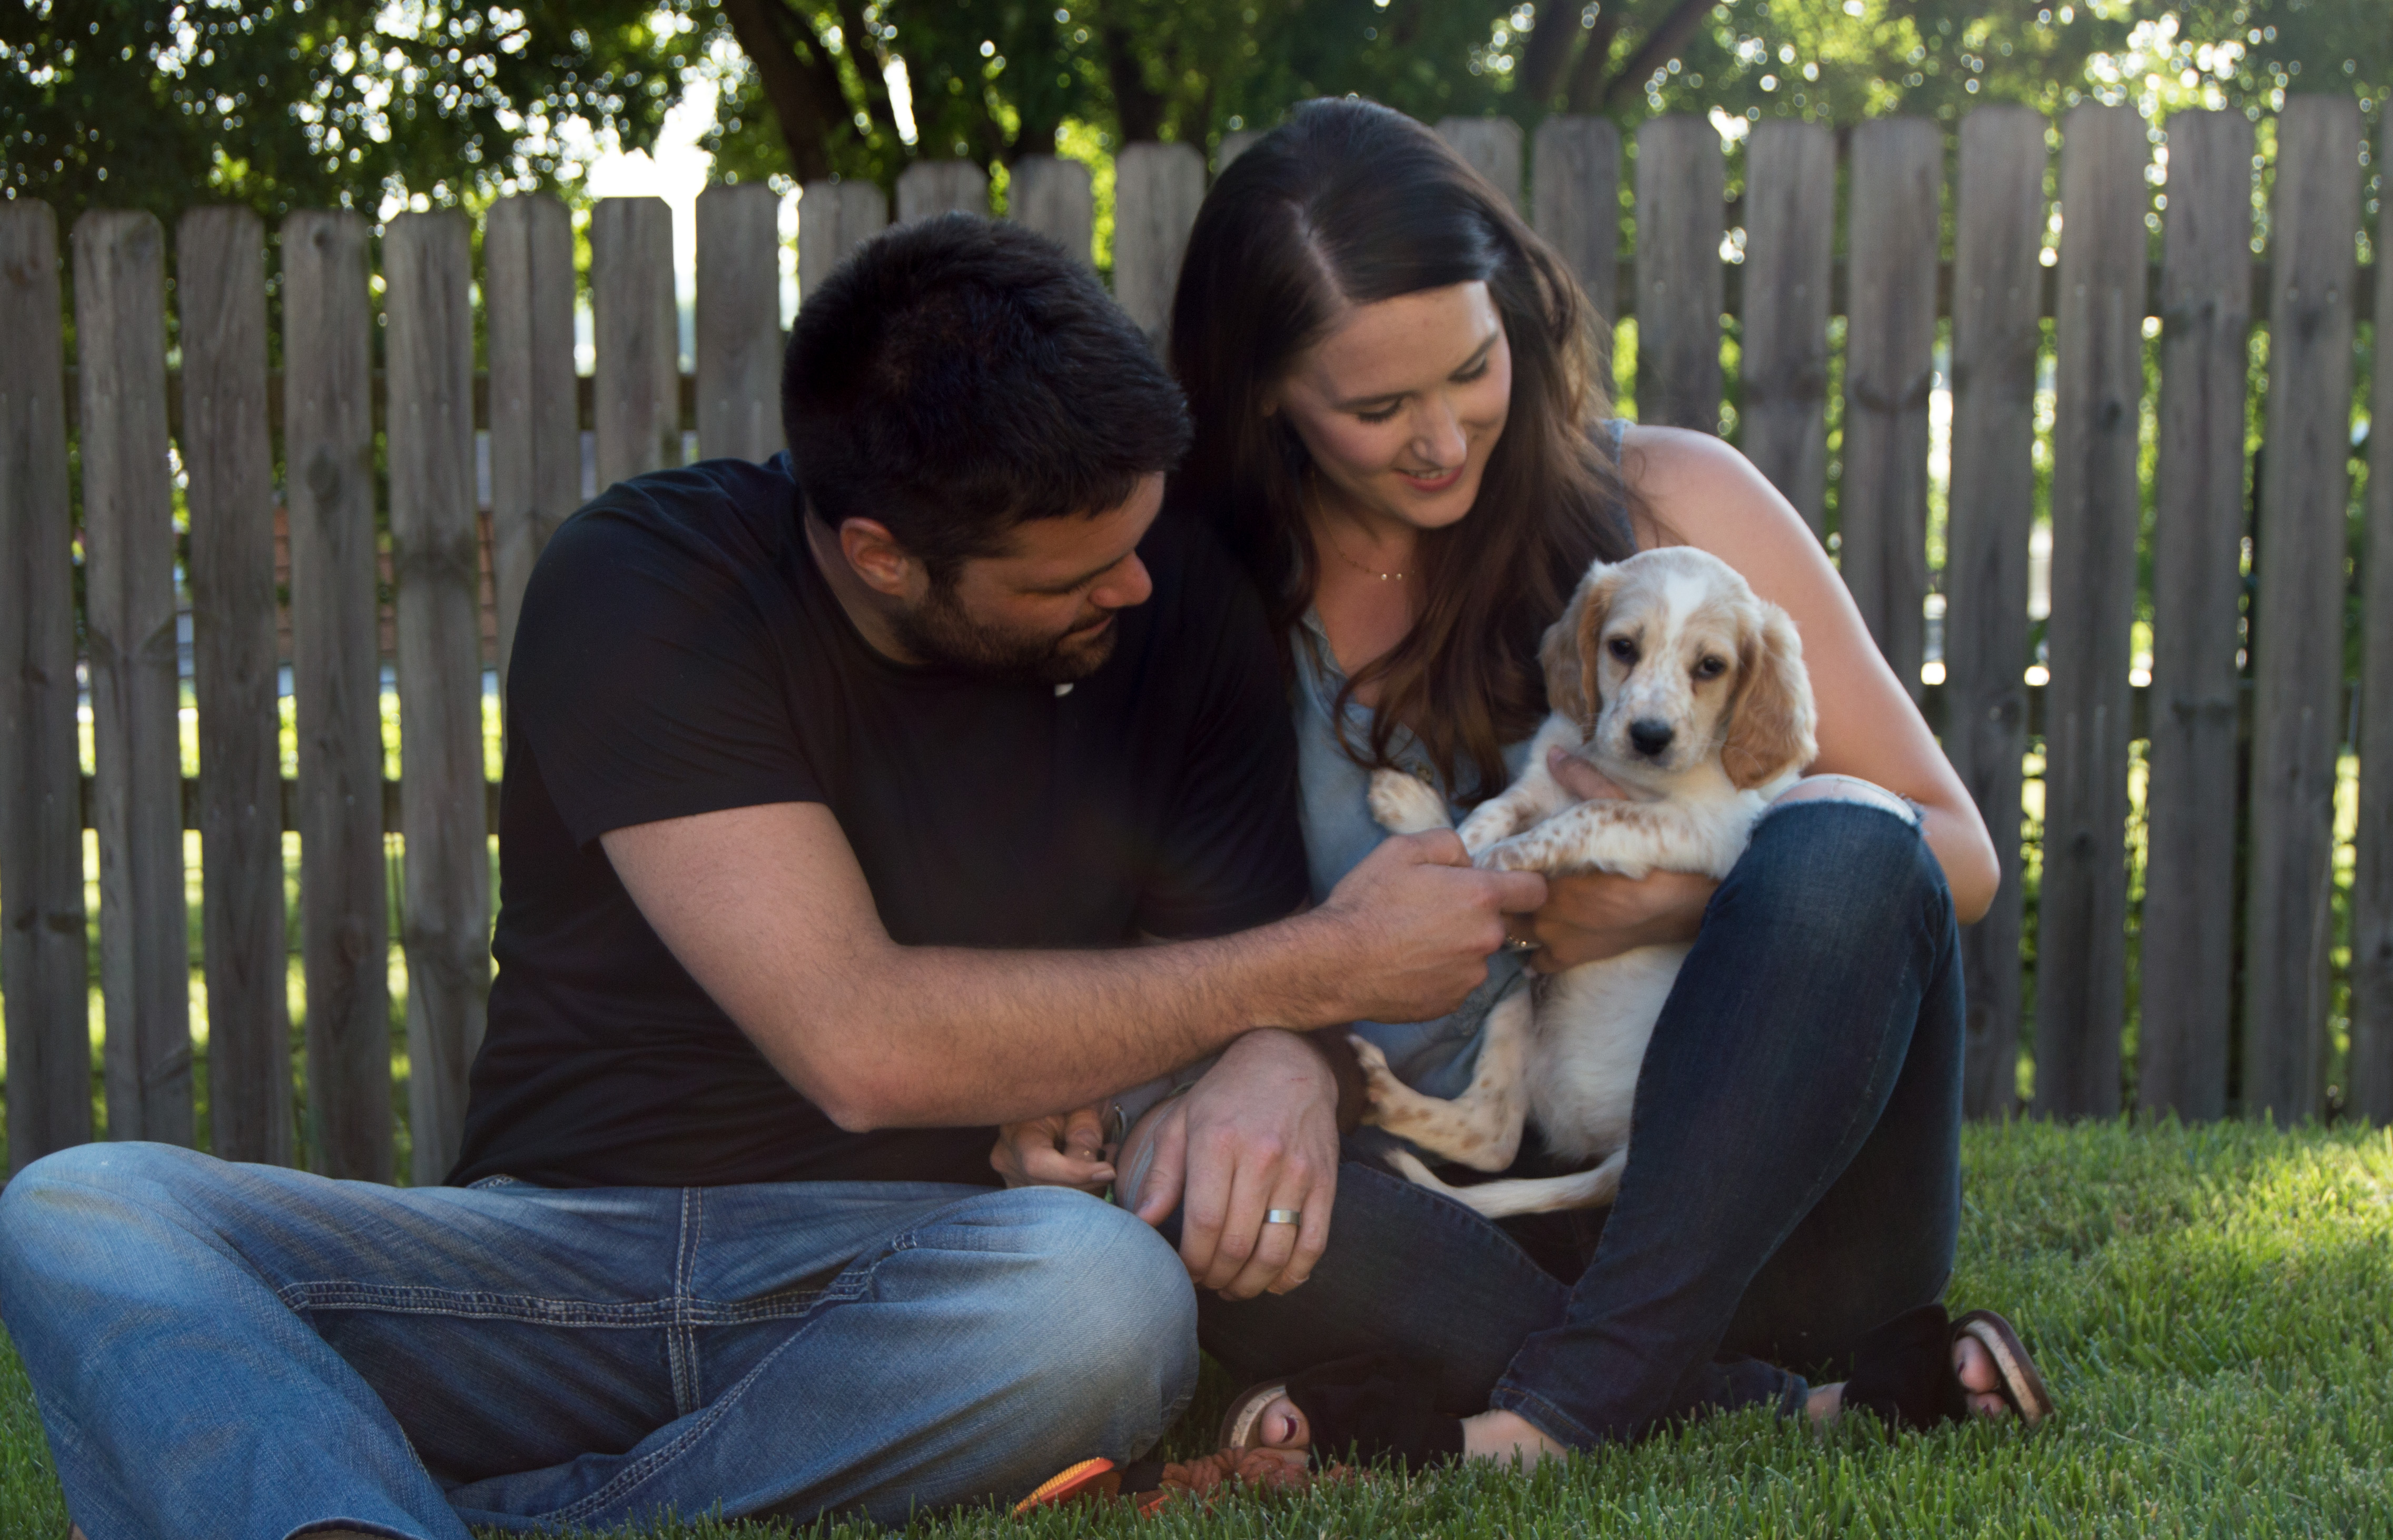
(1493, 147)
(1681, 219)
(328, 451)
(1898, 167)
(638, 336)
(941, 187)
(739, 322)
(834, 217)
(2372, 888)
(1790, 204)
(435, 558)
(2082, 919)
(1156, 188)
(2298, 626)
(220, 294)
(145, 977)
(1574, 198)
(1054, 197)
(1998, 234)
(2187, 948)
(42, 956)
(535, 434)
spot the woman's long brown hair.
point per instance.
(1347, 203)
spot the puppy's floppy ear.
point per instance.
(1568, 650)
(1771, 724)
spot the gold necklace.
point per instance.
(1383, 577)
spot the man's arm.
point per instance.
(767, 909)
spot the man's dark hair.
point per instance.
(958, 376)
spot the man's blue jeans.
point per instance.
(250, 1353)
(1793, 1178)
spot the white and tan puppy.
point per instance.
(1687, 691)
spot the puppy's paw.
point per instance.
(1405, 805)
(1521, 852)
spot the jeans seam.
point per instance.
(1549, 1418)
(332, 1294)
(654, 1463)
(678, 1345)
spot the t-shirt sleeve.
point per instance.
(1233, 852)
(645, 682)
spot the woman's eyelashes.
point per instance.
(1469, 377)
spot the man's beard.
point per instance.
(938, 631)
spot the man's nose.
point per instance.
(1127, 585)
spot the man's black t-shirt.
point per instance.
(679, 653)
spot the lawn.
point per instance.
(2213, 1308)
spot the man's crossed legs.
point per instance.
(246, 1351)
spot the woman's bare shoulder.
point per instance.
(1696, 490)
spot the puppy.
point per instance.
(1689, 693)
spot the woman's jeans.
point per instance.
(249, 1353)
(1793, 1178)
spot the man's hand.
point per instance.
(1260, 1131)
(1064, 1149)
(1415, 922)
(1596, 915)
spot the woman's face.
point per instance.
(1400, 404)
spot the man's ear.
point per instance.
(1568, 649)
(876, 558)
(1771, 725)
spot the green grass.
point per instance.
(2212, 1306)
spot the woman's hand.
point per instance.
(1600, 914)
(1062, 1149)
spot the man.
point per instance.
(838, 792)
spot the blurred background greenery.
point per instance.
(377, 104)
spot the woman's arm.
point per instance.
(1699, 492)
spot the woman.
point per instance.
(1400, 432)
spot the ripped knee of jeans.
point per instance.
(1851, 790)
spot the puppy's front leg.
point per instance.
(1537, 795)
(1611, 835)
(1405, 805)
(1482, 1126)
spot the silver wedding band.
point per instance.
(1283, 1216)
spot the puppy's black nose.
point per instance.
(1650, 735)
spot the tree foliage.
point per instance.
(282, 103)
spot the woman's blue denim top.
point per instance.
(1435, 1056)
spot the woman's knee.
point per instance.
(1842, 863)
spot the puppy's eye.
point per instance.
(1711, 668)
(1622, 648)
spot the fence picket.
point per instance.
(1790, 203)
(436, 556)
(328, 450)
(2081, 918)
(1681, 181)
(1156, 188)
(738, 321)
(1575, 200)
(2372, 885)
(1890, 370)
(2297, 629)
(1057, 198)
(834, 217)
(2186, 963)
(220, 294)
(939, 187)
(1998, 222)
(638, 336)
(42, 954)
(145, 980)
(1493, 147)
(535, 432)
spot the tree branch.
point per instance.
(1140, 109)
(806, 96)
(1588, 78)
(1548, 52)
(1662, 40)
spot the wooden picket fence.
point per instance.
(319, 417)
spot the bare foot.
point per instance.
(1493, 1435)
(1972, 1361)
(1283, 1427)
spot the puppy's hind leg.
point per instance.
(1495, 1200)
(1482, 1126)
